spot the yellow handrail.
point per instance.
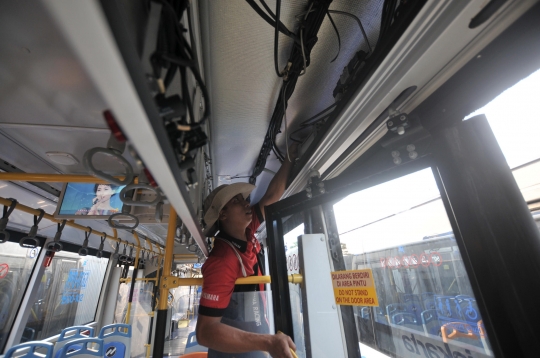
(56, 178)
(29, 210)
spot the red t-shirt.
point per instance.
(222, 267)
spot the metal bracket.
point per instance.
(315, 187)
(168, 282)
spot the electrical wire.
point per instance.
(337, 33)
(302, 40)
(276, 38)
(267, 8)
(310, 121)
(285, 119)
(359, 24)
(282, 28)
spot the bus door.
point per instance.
(426, 257)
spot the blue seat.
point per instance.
(364, 312)
(28, 350)
(428, 300)
(69, 334)
(79, 348)
(414, 306)
(402, 318)
(380, 316)
(395, 308)
(191, 340)
(430, 322)
(117, 340)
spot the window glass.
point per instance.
(513, 117)
(139, 316)
(68, 294)
(426, 307)
(16, 265)
(184, 306)
(295, 291)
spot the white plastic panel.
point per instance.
(325, 335)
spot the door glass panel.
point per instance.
(295, 291)
(400, 230)
(68, 294)
(16, 265)
(512, 116)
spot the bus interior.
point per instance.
(410, 225)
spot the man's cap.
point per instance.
(218, 198)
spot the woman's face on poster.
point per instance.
(104, 192)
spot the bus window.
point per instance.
(139, 316)
(512, 116)
(16, 265)
(68, 294)
(400, 230)
(295, 291)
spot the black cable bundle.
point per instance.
(174, 54)
(304, 41)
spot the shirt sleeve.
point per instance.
(256, 218)
(219, 272)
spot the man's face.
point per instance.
(236, 212)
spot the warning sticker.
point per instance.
(4, 269)
(354, 288)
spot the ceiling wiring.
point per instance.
(276, 38)
(282, 28)
(337, 34)
(359, 24)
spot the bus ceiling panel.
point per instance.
(243, 82)
(45, 141)
(41, 80)
(434, 46)
(97, 34)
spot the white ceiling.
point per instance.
(47, 101)
(238, 50)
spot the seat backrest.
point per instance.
(80, 348)
(28, 350)
(69, 334)
(117, 340)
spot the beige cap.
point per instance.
(218, 198)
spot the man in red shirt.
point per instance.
(231, 319)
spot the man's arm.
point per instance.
(213, 334)
(278, 184)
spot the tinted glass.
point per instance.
(68, 294)
(16, 265)
(426, 306)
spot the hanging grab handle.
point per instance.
(56, 245)
(129, 201)
(159, 212)
(30, 241)
(87, 162)
(130, 259)
(115, 254)
(83, 251)
(123, 258)
(116, 225)
(5, 219)
(99, 254)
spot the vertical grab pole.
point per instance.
(161, 320)
(133, 279)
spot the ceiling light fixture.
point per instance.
(62, 158)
